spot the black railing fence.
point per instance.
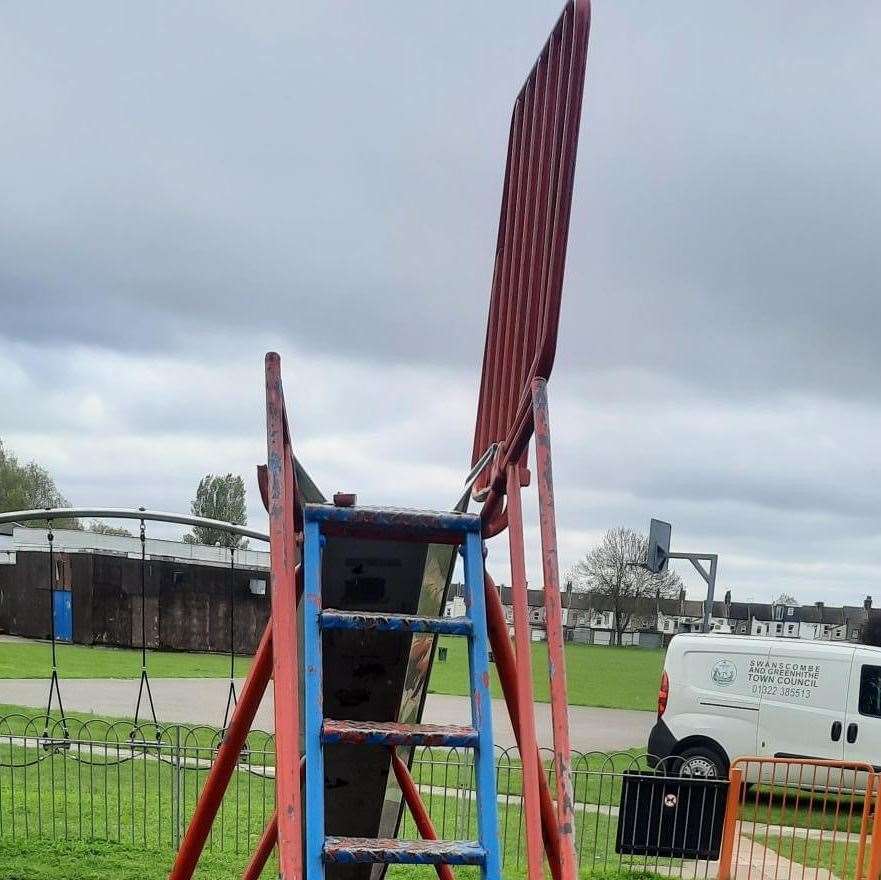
(138, 785)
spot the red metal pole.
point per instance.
(225, 763)
(523, 650)
(268, 840)
(424, 825)
(284, 621)
(554, 624)
(506, 667)
(264, 850)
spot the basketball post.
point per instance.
(659, 554)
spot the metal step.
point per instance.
(393, 524)
(450, 626)
(355, 850)
(393, 733)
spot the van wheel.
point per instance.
(702, 762)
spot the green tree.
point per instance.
(97, 527)
(30, 487)
(221, 498)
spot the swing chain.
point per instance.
(144, 686)
(53, 681)
(231, 699)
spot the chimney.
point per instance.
(867, 604)
(819, 606)
(682, 603)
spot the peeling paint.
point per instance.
(361, 850)
(393, 733)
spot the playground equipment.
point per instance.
(373, 581)
(381, 607)
(51, 515)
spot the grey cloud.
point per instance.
(335, 178)
(184, 188)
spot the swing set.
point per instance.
(145, 693)
(357, 593)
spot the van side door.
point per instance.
(862, 732)
(804, 693)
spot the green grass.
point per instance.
(838, 856)
(771, 806)
(617, 678)
(597, 777)
(102, 817)
(123, 797)
(196, 739)
(614, 678)
(32, 660)
(102, 860)
(98, 860)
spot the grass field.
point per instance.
(32, 659)
(97, 860)
(618, 678)
(614, 678)
(98, 814)
(839, 857)
(101, 860)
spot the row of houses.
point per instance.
(651, 622)
(189, 591)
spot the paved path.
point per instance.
(202, 700)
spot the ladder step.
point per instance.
(393, 524)
(392, 733)
(351, 850)
(450, 626)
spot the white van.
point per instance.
(725, 696)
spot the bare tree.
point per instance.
(613, 572)
(786, 599)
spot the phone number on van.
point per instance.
(773, 690)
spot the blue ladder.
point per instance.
(321, 521)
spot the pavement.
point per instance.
(203, 700)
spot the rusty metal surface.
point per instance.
(392, 733)
(554, 629)
(389, 851)
(521, 333)
(506, 666)
(285, 519)
(332, 618)
(523, 647)
(400, 524)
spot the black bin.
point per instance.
(673, 817)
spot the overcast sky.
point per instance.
(184, 186)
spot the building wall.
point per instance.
(7, 579)
(187, 605)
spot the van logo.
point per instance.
(670, 800)
(723, 673)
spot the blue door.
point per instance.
(63, 616)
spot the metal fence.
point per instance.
(100, 780)
(788, 815)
